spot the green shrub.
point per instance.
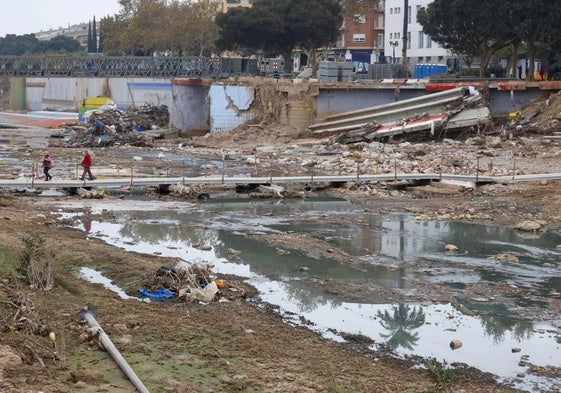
(442, 376)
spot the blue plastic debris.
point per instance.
(160, 294)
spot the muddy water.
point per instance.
(379, 242)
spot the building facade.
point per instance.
(78, 32)
(362, 39)
(420, 47)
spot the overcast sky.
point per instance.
(32, 16)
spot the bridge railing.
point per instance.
(115, 66)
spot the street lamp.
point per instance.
(393, 44)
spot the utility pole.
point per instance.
(405, 32)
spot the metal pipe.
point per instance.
(115, 354)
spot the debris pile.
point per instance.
(110, 126)
(187, 282)
(146, 117)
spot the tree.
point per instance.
(467, 27)
(111, 29)
(536, 26)
(281, 26)
(94, 36)
(351, 7)
(59, 44)
(18, 45)
(90, 42)
(405, 33)
(146, 30)
(192, 28)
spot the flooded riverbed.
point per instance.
(387, 251)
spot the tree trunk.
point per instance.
(405, 33)
(287, 61)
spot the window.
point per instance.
(359, 37)
(420, 59)
(428, 59)
(429, 42)
(408, 40)
(409, 14)
(380, 41)
(391, 11)
(418, 9)
(421, 39)
(359, 18)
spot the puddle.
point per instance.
(96, 277)
(173, 229)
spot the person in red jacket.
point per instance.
(86, 164)
(47, 165)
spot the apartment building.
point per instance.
(362, 39)
(420, 48)
(78, 32)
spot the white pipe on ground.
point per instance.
(115, 354)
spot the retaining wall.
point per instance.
(196, 104)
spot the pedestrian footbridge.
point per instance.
(124, 182)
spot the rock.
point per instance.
(528, 226)
(455, 344)
(8, 358)
(87, 376)
(548, 264)
(304, 269)
(515, 350)
(202, 247)
(231, 251)
(493, 141)
(451, 248)
(120, 327)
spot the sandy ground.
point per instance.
(235, 346)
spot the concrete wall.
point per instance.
(190, 108)
(331, 101)
(65, 94)
(502, 102)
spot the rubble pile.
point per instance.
(146, 117)
(110, 126)
(543, 114)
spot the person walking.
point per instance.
(86, 164)
(47, 165)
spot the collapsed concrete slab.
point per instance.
(439, 113)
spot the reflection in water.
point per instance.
(497, 321)
(400, 325)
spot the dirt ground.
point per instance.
(230, 346)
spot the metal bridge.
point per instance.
(125, 66)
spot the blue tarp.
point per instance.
(160, 294)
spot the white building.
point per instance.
(420, 48)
